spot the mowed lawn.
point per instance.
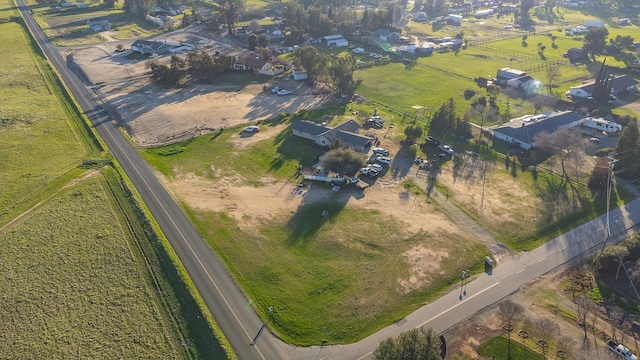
(40, 143)
(72, 287)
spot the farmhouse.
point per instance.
(99, 24)
(386, 35)
(522, 131)
(335, 41)
(619, 84)
(150, 47)
(514, 78)
(323, 135)
(264, 67)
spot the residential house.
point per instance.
(265, 67)
(150, 47)
(619, 84)
(420, 17)
(99, 24)
(325, 136)
(575, 54)
(523, 131)
(386, 35)
(335, 41)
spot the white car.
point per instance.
(275, 90)
(377, 119)
(381, 151)
(447, 149)
(284, 92)
(376, 167)
(384, 160)
(251, 129)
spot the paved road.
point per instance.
(229, 307)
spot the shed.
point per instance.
(335, 41)
(453, 18)
(299, 75)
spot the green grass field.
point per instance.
(33, 112)
(73, 286)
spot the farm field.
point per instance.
(78, 255)
(33, 113)
(74, 286)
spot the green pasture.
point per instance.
(73, 285)
(7, 10)
(41, 134)
(68, 26)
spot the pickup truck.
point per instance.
(620, 350)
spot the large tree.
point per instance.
(343, 161)
(230, 11)
(566, 145)
(312, 60)
(525, 7)
(341, 72)
(627, 151)
(595, 41)
(509, 312)
(139, 7)
(416, 344)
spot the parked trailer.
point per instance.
(602, 125)
(620, 350)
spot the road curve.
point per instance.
(230, 308)
(220, 293)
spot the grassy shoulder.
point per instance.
(74, 286)
(498, 348)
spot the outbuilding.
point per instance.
(335, 41)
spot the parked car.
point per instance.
(384, 160)
(377, 119)
(447, 149)
(275, 90)
(369, 172)
(251, 129)
(376, 167)
(284, 92)
(593, 140)
(430, 140)
(381, 151)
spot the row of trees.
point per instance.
(202, 67)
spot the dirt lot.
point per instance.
(153, 115)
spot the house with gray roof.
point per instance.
(523, 130)
(325, 136)
(151, 47)
(619, 84)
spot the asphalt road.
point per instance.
(230, 308)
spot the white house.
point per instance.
(522, 131)
(99, 24)
(335, 41)
(455, 19)
(623, 83)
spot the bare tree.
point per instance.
(616, 315)
(565, 343)
(552, 75)
(509, 311)
(545, 328)
(566, 145)
(583, 307)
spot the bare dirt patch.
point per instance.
(153, 115)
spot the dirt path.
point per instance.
(73, 182)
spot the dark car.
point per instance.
(430, 140)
